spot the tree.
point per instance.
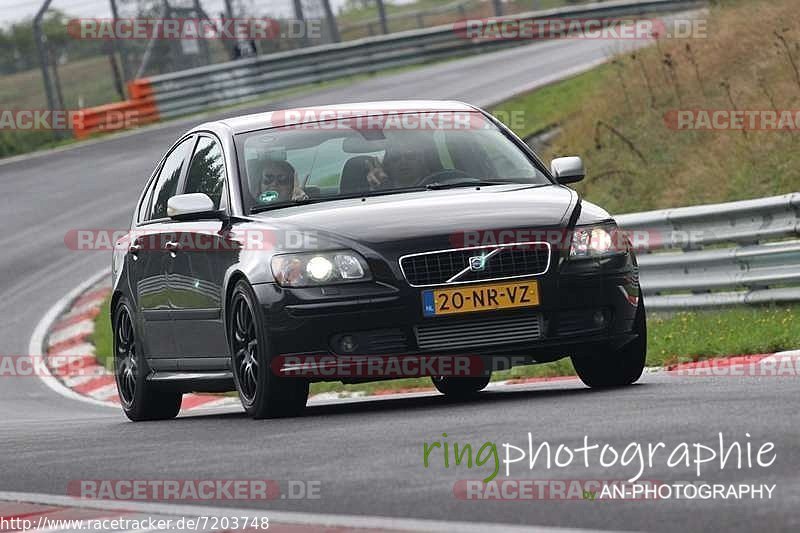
(18, 49)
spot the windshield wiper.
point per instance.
(278, 205)
(464, 183)
(476, 182)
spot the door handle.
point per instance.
(172, 246)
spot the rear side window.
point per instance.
(207, 171)
(167, 181)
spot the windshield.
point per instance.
(377, 155)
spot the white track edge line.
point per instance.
(36, 344)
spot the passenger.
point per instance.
(377, 178)
(279, 183)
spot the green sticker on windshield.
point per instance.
(268, 196)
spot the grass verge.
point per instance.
(618, 118)
(101, 337)
(548, 106)
(671, 338)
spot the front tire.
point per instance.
(139, 398)
(263, 393)
(622, 367)
(460, 387)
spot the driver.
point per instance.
(406, 164)
(279, 183)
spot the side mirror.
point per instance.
(567, 169)
(194, 206)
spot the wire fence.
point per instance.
(85, 72)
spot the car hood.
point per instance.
(419, 215)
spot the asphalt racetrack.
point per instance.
(366, 454)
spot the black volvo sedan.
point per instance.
(272, 250)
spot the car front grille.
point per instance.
(386, 341)
(480, 332)
(453, 266)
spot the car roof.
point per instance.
(305, 115)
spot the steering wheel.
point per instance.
(444, 176)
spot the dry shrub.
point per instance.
(740, 63)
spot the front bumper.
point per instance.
(585, 306)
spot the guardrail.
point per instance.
(458, 6)
(194, 90)
(760, 264)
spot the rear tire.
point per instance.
(263, 393)
(460, 387)
(623, 366)
(139, 398)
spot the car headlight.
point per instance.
(595, 241)
(314, 269)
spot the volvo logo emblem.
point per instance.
(477, 263)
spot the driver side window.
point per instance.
(167, 181)
(207, 171)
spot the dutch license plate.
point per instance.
(471, 298)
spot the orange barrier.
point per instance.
(140, 89)
(139, 109)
